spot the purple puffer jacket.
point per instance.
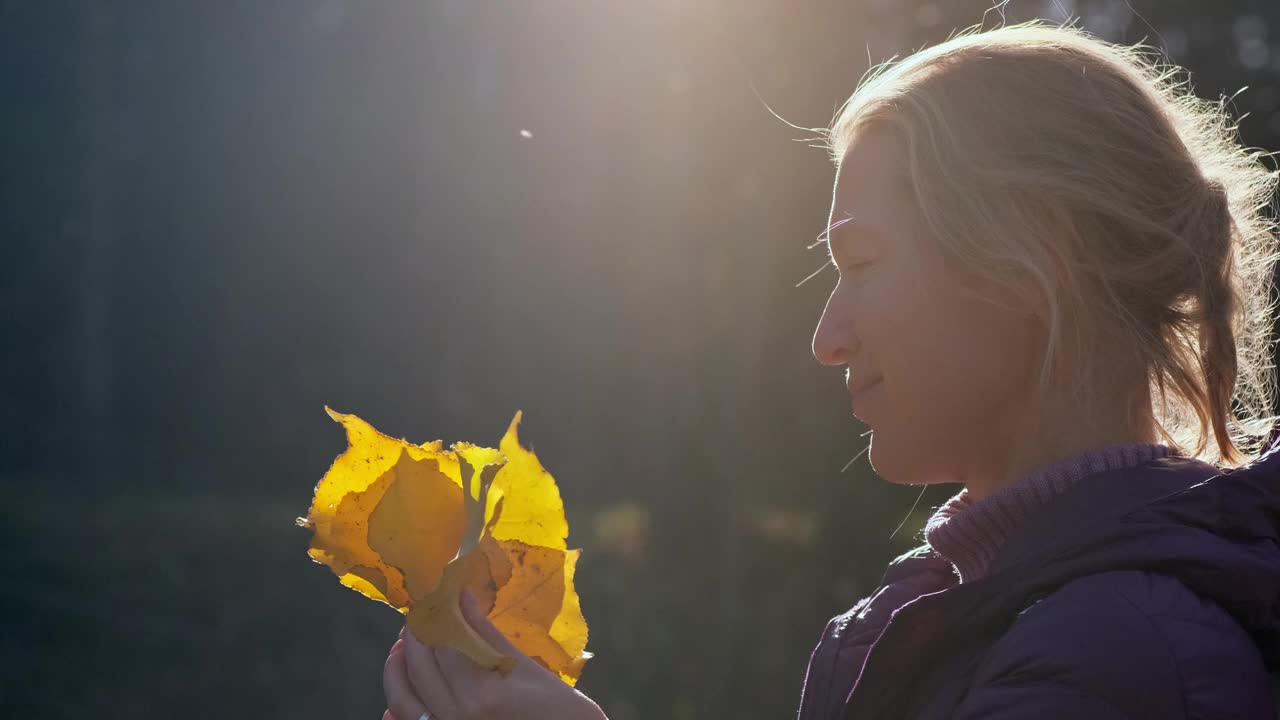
(1150, 592)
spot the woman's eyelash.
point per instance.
(831, 258)
(851, 266)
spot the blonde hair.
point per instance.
(1088, 180)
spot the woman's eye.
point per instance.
(847, 267)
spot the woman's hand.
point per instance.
(447, 685)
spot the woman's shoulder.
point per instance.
(1138, 639)
(922, 560)
(1138, 601)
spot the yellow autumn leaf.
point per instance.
(417, 550)
(412, 525)
(532, 512)
(538, 607)
(353, 488)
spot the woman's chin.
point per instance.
(884, 463)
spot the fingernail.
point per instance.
(402, 632)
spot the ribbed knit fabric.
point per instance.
(969, 534)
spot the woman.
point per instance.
(1053, 288)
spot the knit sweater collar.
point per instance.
(969, 533)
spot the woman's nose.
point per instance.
(829, 341)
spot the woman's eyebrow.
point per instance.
(847, 228)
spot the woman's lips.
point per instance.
(862, 395)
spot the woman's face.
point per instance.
(956, 369)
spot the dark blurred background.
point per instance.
(219, 217)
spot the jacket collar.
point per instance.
(1217, 531)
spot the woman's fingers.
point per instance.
(446, 680)
(476, 619)
(402, 701)
(460, 672)
(426, 679)
(476, 692)
(473, 686)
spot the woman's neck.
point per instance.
(1032, 443)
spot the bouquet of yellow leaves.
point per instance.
(413, 525)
